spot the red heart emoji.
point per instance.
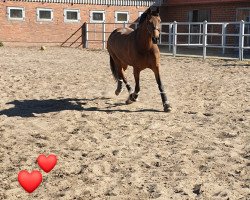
(47, 163)
(29, 181)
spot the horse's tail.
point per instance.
(113, 68)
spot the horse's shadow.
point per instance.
(30, 108)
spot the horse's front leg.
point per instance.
(166, 105)
(134, 96)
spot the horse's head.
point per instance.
(153, 24)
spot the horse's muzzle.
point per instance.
(155, 40)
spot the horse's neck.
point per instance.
(143, 38)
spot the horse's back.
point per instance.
(120, 34)
(123, 31)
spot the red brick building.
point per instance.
(210, 10)
(57, 22)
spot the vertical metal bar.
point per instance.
(170, 36)
(200, 34)
(103, 36)
(160, 32)
(204, 39)
(241, 40)
(223, 40)
(189, 39)
(95, 31)
(174, 38)
(87, 36)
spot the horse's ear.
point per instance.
(154, 10)
(158, 10)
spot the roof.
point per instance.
(192, 2)
(145, 3)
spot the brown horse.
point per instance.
(137, 48)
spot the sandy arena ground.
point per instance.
(61, 101)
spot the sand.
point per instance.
(61, 101)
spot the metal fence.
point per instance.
(225, 36)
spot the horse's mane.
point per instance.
(146, 13)
(143, 18)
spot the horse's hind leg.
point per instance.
(119, 87)
(116, 68)
(123, 77)
(134, 96)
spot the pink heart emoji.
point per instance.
(47, 163)
(29, 181)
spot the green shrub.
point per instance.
(1, 44)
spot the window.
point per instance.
(15, 13)
(243, 14)
(97, 16)
(199, 15)
(71, 15)
(44, 14)
(121, 17)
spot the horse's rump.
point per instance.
(120, 43)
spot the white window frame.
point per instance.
(97, 21)
(121, 12)
(17, 8)
(71, 20)
(44, 9)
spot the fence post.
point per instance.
(189, 30)
(241, 40)
(103, 36)
(86, 35)
(160, 32)
(136, 25)
(204, 39)
(200, 32)
(223, 41)
(174, 38)
(170, 36)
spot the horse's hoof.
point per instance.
(117, 92)
(167, 107)
(129, 101)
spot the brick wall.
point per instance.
(30, 32)
(220, 12)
